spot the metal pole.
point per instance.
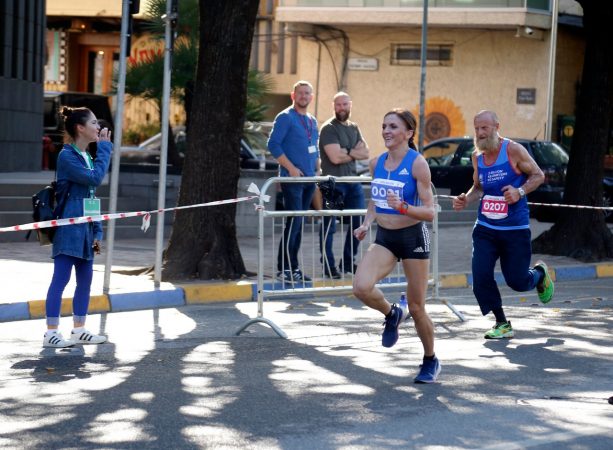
(121, 88)
(422, 82)
(552, 69)
(159, 236)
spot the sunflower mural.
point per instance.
(443, 119)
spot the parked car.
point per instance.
(145, 157)
(451, 167)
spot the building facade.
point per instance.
(481, 54)
(22, 25)
(490, 54)
(83, 55)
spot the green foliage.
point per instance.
(145, 79)
(258, 85)
(188, 25)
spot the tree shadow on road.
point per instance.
(207, 388)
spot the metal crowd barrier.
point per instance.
(271, 226)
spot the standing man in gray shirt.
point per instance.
(340, 145)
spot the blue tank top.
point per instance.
(400, 180)
(494, 211)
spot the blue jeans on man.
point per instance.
(353, 199)
(514, 249)
(296, 197)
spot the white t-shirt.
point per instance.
(85, 157)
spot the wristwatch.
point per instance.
(522, 193)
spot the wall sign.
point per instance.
(526, 96)
(363, 64)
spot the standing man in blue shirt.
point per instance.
(293, 142)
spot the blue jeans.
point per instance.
(296, 197)
(62, 268)
(514, 249)
(353, 199)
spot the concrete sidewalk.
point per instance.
(26, 270)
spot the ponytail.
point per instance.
(412, 143)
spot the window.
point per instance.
(410, 55)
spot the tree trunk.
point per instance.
(203, 242)
(583, 234)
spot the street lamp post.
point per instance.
(422, 82)
(552, 69)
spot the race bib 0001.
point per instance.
(494, 207)
(379, 188)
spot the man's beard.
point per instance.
(341, 116)
(489, 143)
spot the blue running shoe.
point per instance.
(429, 371)
(392, 322)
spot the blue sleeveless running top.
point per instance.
(400, 180)
(494, 211)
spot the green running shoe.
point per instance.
(500, 331)
(545, 287)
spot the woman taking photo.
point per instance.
(78, 175)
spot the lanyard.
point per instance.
(89, 166)
(90, 160)
(307, 128)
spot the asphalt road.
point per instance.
(181, 379)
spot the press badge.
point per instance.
(312, 149)
(91, 206)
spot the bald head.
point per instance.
(486, 114)
(341, 94)
(342, 106)
(486, 131)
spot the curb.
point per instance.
(243, 291)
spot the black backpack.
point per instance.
(44, 208)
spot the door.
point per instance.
(98, 64)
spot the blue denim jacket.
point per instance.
(74, 181)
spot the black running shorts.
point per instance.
(406, 243)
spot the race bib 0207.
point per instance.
(379, 188)
(494, 207)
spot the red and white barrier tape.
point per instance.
(145, 214)
(599, 208)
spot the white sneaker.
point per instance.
(82, 336)
(53, 339)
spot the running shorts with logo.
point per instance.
(406, 243)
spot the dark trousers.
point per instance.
(296, 197)
(353, 199)
(514, 249)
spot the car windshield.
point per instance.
(549, 154)
(258, 142)
(441, 154)
(153, 143)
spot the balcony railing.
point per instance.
(540, 5)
